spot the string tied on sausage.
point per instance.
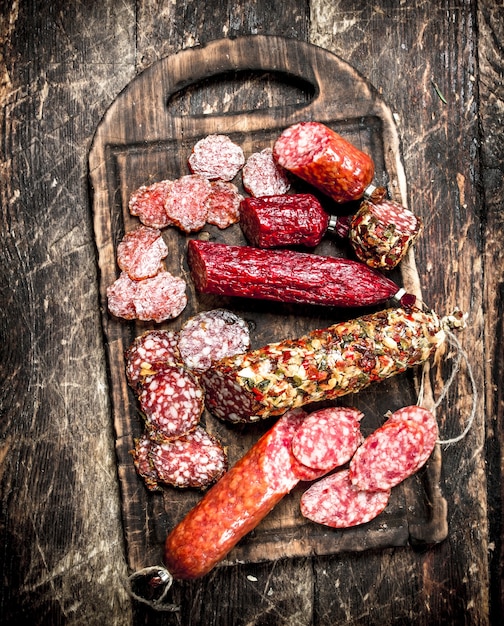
(150, 586)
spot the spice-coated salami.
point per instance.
(223, 204)
(140, 252)
(216, 157)
(318, 155)
(285, 276)
(147, 203)
(143, 463)
(151, 349)
(262, 176)
(322, 365)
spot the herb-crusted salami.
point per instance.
(216, 157)
(141, 252)
(150, 349)
(262, 176)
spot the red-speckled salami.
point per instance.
(141, 251)
(196, 460)
(427, 421)
(223, 204)
(216, 157)
(143, 463)
(285, 276)
(262, 176)
(187, 202)
(171, 401)
(328, 438)
(212, 335)
(121, 297)
(334, 501)
(321, 157)
(147, 203)
(388, 456)
(149, 351)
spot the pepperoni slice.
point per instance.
(328, 438)
(120, 297)
(216, 157)
(143, 463)
(427, 421)
(223, 204)
(334, 501)
(187, 202)
(194, 460)
(262, 176)
(141, 251)
(210, 336)
(171, 401)
(147, 203)
(151, 348)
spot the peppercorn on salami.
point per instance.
(322, 365)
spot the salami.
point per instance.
(262, 176)
(428, 424)
(140, 253)
(147, 203)
(151, 349)
(210, 336)
(223, 204)
(143, 463)
(323, 365)
(186, 204)
(318, 155)
(285, 276)
(381, 233)
(334, 501)
(216, 157)
(171, 401)
(121, 296)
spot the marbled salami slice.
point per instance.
(196, 460)
(143, 462)
(427, 421)
(171, 401)
(141, 251)
(147, 203)
(187, 202)
(160, 298)
(262, 176)
(224, 204)
(121, 297)
(216, 157)
(212, 335)
(334, 501)
(328, 438)
(150, 349)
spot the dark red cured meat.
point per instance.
(147, 203)
(328, 438)
(262, 176)
(210, 336)
(318, 155)
(150, 349)
(216, 157)
(234, 506)
(285, 276)
(171, 401)
(334, 501)
(427, 422)
(143, 463)
(195, 460)
(223, 204)
(388, 456)
(187, 202)
(141, 251)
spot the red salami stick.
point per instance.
(285, 276)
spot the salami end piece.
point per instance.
(143, 463)
(149, 351)
(216, 157)
(140, 253)
(262, 176)
(147, 203)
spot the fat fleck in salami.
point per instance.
(381, 233)
(334, 501)
(210, 336)
(187, 202)
(151, 349)
(322, 365)
(262, 176)
(233, 506)
(216, 157)
(285, 276)
(427, 421)
(141, 251)
(143, 463)
(318, 155)
(223, 204)
(147, 203)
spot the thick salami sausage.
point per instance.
(285, 276)
(216, 157)
(147, 203)
(223, 204)
(322, 365)
(151, 349)
(140, 253)
(262, 176)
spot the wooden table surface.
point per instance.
(440, 67)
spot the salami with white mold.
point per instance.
(187, 202)
(262, 176)
(140, 252)
(216, 157)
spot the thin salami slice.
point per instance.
(150, 349)
(224, 204)
(212, 335)
(160, 298)
(141, 251)
(187, 202)
(262, 176)
(147, 203)
(196, 460)
(121, 297)
(428, 424)
(328, 438)
(171, 401)
(334, 501)
(143, 462)
(388, 456)
(216, 157)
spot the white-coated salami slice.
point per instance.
(150, 349)
(262, 176)
(427, 421)
(160, 298)
(216, 157)
(187, 203)
(334, 501)
(223, 204)
(141, 251)
(147, 203)
(121, 296)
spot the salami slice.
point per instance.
(328, 438)
(141, 251)
(143, 463)
(121, 297)
(147, 203)
(150, 349)
(427, 421)
(216, 157)
(224, 204)
(262, 176)
(171, 401)
(334, 501)
(196, 460)
(388, 456)
(212, 335)
(187, 202)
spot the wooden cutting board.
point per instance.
(249, 88)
